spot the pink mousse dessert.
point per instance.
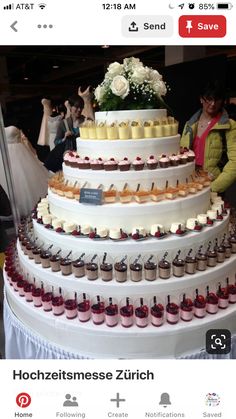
(28, 289)
(199, 306)
(223, 297)
(98, 309)
(211, 302)
(111, 314)
(84, 308)
(124, 165)
(138, 164)
(37, 294)
(17, 277)
(71, 308)
(127, 314)
(58, 305)
(141, 314)
(20, 285)
(172, 312)
(157, 313)
(186, 309)
(47, 301)
(232, 292)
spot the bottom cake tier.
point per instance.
(100, 341)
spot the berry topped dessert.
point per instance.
(111, 313)
(211, 302)
(199, 306)
(157, 313)
(98, 311)
(172, 311)
(84, 308)
(141, 313)
(223, 297)
(186, 309)
(127, 313)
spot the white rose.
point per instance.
(159, 87)
(131, 62)
(120, 86)
(140, 74)
(115, 69)
(99, 93)
(154, 75)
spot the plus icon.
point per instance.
(117, 400)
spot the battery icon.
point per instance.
(224, 6)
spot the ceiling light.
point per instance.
(105, 46)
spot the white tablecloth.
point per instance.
(23, 343)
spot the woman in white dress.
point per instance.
(52, 117)
(30, 178)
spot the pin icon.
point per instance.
(23, 400)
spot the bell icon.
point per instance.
(165, 399)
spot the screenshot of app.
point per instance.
(117, 209)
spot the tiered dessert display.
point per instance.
(150, 268)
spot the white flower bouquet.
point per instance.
(131, 85)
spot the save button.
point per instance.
(209, 26)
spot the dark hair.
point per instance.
(76, 101)
(213, 89)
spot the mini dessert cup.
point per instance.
(138, 164)
(201, 260)
(152, 163)
(141, 312)
(127, 312)
(190, 263)
(92, 133)
(167, 130)
(220, 252)
(101, 131)
(150, 268)
(58, 304)
(110, 165)
(223, 297)
(136, 268)
(45, 256)
(98, 310)
(47, 300)
(66, 265)
(28, 290)
(148, 129)
(124, 165)
(71, 307)
(21, 285)
(124, 131)
(110, 194)
(178, 265)
(211, 302)
(231, 291)
(157, 194)
(121, 269)
(125, 195)
(106, 268)
(157, 312)
(111, 313)
(37, 294)
(141, 196)
(112, 132)
(84, 308)
(139, 233)
(232, 240)
(199, 306)
(136, 130)
(164, 161)
(172, 310)
(211, 256)
(158, 129)
(157, 231)
(55, 260)
(164, 267)
(91, 267)
(186, 308)
(78, 266)
(228, 247)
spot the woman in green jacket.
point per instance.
(212, 135)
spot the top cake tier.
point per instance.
(133, 133)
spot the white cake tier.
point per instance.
(132, 177)
(136, 115)
(132, 215)
(118, 149)
(89, 340)
(147, 289)
(131, 247)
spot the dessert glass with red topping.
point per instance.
(172, 310)
(223, 297)
(47, 301)
(28, 289)
(98, 310)
(141, 312)
(199, 306)
(111, 313)
(211, 302)
(231, 291)
(58, 304)
(71, 307)
(84, 307)
(127, 312)
(157, 312)
(186, 308)
(37, 294)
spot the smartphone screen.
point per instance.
(117, 209)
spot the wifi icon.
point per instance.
(42, 6)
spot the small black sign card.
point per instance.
(91, 196)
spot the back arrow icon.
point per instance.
(13, 26)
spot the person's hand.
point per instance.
(68, 134)
(86, 94)
(67, 105)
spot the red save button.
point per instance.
(194, 26)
